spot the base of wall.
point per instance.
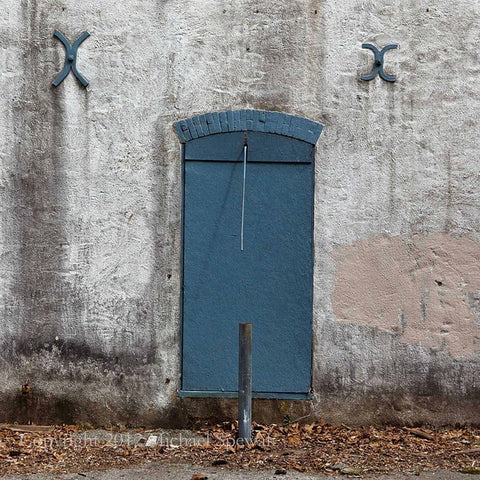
(379, 410)
(191, 412)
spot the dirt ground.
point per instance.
(160, 471)
(309, 451)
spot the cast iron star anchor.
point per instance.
(70, 58)
(378, 68)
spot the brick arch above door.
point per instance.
(249, 120)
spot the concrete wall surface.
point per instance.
(91, 201)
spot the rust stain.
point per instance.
(419, 287)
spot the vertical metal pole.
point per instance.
(245, 384)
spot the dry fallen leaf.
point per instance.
(315, 447)
(294, 439)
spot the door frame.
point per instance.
(239, 121)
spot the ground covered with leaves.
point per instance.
(315, 447)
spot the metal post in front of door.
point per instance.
(245, 384)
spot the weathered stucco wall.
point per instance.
(91, 199)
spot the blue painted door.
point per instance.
(269, 283)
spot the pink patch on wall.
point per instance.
(424, 288)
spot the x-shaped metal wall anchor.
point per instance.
(70, 58)
(378, 68)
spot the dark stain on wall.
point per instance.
(38, 187)
(394, 382)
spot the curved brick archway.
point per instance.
(249, 120)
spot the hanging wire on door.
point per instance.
(245, 150)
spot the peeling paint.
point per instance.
(426, 289)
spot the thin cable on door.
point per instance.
(245, 148)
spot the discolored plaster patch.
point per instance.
(426, 289)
